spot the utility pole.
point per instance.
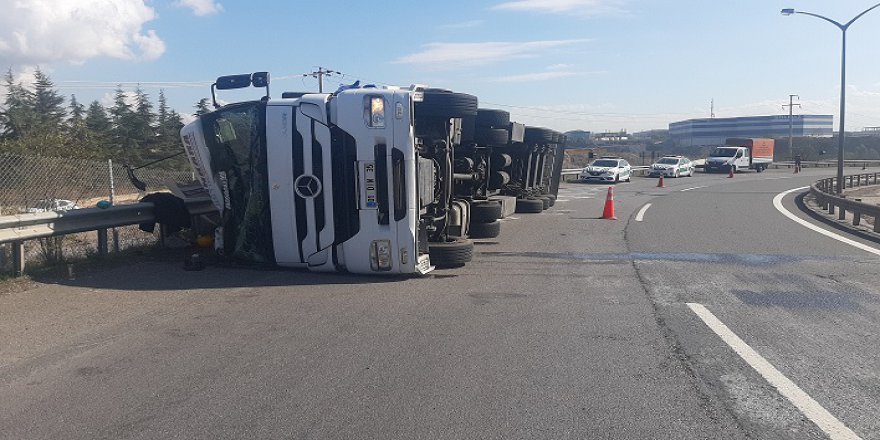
(712, 109)
(790, 106)
(320, 74)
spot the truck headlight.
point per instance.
(375, 111)
(380, 254)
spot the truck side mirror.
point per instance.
(260, 79)
(233, 82)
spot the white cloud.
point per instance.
(455, 55)
(577, 7)
(463, 25)
(48, 31)
(540, 76)
(200, 7)
(559, 67)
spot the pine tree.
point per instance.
(201, 107)
(124, 146)
(77, 113)
(48, 104)
(18, 117)
(97, 120)
(142, 131)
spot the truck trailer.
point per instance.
(372, 180)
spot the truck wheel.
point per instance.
(536, 135)
(491, 137)
(453, 253)
(485, 230)
(485, 212)
(545, 202)
(530, 206)
(492, 118)
(446, 104)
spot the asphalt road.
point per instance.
(567, 326)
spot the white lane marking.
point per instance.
(584, 197)
(690, 189)
(777, 202)
(835, 429)
(641, 215)
(778, 178)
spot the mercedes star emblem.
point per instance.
(307, 186)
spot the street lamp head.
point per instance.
(787, 11)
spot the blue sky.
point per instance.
(565, 64)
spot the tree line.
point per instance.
(38, 121)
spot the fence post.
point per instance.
(112, 202)
(18, 258)
(102, 242)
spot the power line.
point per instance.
(320, 74)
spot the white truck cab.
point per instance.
(326, 197)
(330, 182)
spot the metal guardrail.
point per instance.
(827, 163)
(575, 171)
(823, 192)
(17, 229)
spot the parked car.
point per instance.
(607, 169)
(45, 205)
(672, 166)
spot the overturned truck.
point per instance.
(366, 179)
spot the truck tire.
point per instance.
(529, 206)
(538, 135)
(545, 202)
(453, 253)
(485, 230)
(485, 212)
(492, 118)
(446, 104)
(491, 137)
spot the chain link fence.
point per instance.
(38, 184)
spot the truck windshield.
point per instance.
(236, 139)
(668, 161)
(723, 152)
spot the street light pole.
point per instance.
(842, 131)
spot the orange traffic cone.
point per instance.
(730, 174)
(661, 183)
(608, 213)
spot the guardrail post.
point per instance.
(857, 218)
(102, 242)
(841, 215)
(877, 223)
(17, 258)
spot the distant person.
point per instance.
(797, 163)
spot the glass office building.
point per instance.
(713, 131)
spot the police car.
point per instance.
(607, 169)
(672, 166)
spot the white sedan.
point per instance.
(672, 166)
(607, 170)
